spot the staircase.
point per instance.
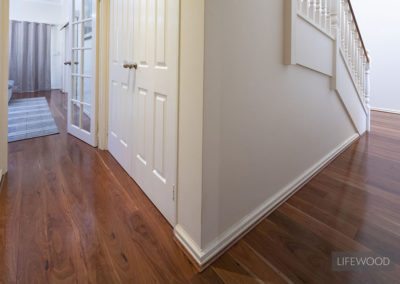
(323, 35)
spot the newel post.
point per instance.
(368, 92)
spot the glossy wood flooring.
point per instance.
(70, 214)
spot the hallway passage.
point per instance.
(69, 213)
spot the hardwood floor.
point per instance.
(69, 213)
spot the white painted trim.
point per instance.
(190, 245)
(4, 24)
(395, 111)
(103, 79)
(232, 235)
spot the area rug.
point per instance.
(30, 118)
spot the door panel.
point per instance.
(81, 98)
(121, 82)
(143, 100)
(154, 159)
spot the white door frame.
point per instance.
(4, 29)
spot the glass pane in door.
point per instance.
(75, 114)
(87, 34)
(88, 9)
(86, 118)
(77, 13)
(87, 87)
(76, 64)
(76, 88)
(88, 64)
(77, 35)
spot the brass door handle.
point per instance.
(130, 66)
(70, 63)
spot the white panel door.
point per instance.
(143, 95)
(154, 160)
(122, 76)
(81, 98)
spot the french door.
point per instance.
(144, 95)
(81, 98)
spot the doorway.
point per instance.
(52, 49)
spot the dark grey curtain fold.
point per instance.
(30, 56)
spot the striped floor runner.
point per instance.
(29, 118)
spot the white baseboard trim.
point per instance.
(386, 110)
(232, 235)
(1, 175)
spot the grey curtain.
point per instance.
(30, 56)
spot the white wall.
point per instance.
(379, 24)
(265, 124)
(191, 119)
(53, 12)
(39, 11)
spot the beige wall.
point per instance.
(4, 11)
(190, 118)
(265, 124)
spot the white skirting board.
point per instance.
(229, 237)
(386, 110)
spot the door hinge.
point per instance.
(173, 192)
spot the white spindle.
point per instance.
(318, 12)
(329, 15)
(304, 7)
(343, 25)
(325, 16)
(311, 9)
(360, 69)
(368, 94)
(356, 53)
(363, 62)
(348, 33)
